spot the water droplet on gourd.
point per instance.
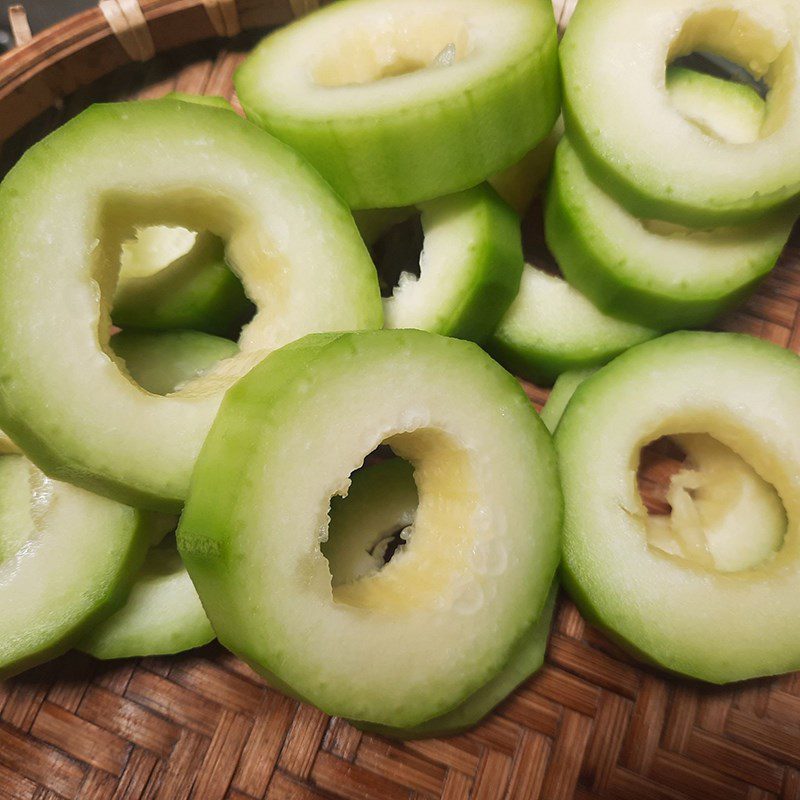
(469, 598)
(490, 557)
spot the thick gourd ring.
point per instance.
(620, 117)
(415, 639)
(716, 614)
(400, 101)
(74, 196)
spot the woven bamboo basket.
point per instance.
(592, 724)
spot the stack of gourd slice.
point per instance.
(199, 357)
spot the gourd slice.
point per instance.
(637, 143)
(551, 328)
(730, 111)
(162, 362)
(162, 614)
(67, 558)
(400, 101)
(441, 619)
(652, 273)
(560, 395)
(677, 610)
(522, 181)
(468, 271)
(116, 167)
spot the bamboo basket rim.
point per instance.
(44, 60)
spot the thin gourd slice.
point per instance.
(162, 614)
(67, 559)
(400, 101)
(551, 328)
(647, 272)
(467, 272)
(730, 111)
(560, 395)
(637, 143)
(441, 619)
(162, 362)
(289, 238)
(723, 621)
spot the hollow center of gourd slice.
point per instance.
(707, 505)
(170, 239)
(731, 44)
(387, 45)
(167, 250)
(362, 541)
(437, 548)
(397, 254)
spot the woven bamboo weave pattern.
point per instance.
(592, 724)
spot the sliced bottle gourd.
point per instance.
(194, 291)
(551, 328)
(367, 528)
(630, 279)
(67, 559)
(641, 148)
(417, 638)
(162, 613)
(650, 272)
(292, 242)
(711, 592)
(400, 101)
(467, 272)
(213, 100)
(162, 362)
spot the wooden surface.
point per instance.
(591, 724)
